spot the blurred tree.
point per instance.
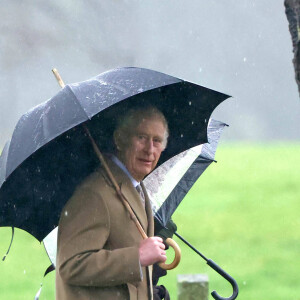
(292, 10)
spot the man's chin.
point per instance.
(145, 171)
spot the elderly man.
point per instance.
(101, 254)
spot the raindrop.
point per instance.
(190, 102)
(244, 283)
(200, 70)
(205, 121)
(181, 135)
(24, 272)
(245, 59)
(192, 122)
(66, 213)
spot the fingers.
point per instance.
(152, 250)
(163, 257)
(159, 242)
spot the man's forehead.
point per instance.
(153, 125)
(152, 119)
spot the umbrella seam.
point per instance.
(69, 87)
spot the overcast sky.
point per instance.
(242, 48)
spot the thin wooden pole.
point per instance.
(58, 78)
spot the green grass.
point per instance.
(243, 213)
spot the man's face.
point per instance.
(144, 148)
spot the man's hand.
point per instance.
(151, 251)
(164, 232)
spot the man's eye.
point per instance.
(141, 137)
(157, 141)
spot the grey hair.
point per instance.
(131, 120)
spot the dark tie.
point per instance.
(141, 193)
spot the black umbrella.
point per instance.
(47, 144)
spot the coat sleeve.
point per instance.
(83, 258)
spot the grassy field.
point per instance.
(243, 213)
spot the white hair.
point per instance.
(131, 120)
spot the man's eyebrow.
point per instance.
(147, 134)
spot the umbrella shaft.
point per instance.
(191, 246)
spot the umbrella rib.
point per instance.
(63, 85)
(86, 114)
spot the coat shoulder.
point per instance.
(96, 182)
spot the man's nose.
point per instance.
(149, 146)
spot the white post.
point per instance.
(192, 287)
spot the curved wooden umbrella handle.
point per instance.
(177, 257)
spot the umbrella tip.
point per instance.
(58, 78)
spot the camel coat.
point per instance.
(97, 249)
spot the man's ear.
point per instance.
(117, 140)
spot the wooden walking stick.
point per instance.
(125, 202)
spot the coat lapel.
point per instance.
(135, 202)
(150, 232)
(149, 212)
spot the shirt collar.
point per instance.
(124, 169)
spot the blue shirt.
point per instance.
(123, 168)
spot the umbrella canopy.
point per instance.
(49, 154)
